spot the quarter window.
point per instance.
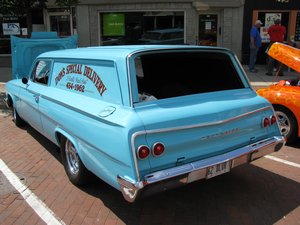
(40, 73)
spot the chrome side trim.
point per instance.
(129, 81)
(136, 134)
(198, 170)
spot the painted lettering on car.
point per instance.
(78, 84)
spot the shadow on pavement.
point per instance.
(295, 144)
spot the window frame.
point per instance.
(46, 76)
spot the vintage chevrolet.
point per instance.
(145, 118)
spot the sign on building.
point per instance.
(11, 29)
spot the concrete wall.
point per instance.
(230, 12)
(83, 25)
(233, 29)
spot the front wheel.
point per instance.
(76, 171)
(287, 123)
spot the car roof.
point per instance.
(117, 52)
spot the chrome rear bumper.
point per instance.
(180, 175)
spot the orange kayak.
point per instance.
(286, 54)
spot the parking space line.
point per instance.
(46, 214)
(282, 161)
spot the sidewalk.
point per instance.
(259, 79)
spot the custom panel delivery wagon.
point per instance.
(145, 118)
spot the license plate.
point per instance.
(218, 169)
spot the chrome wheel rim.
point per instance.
(72, 157)
(283, 122)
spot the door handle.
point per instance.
(36, 98)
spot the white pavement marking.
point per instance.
(282, 161)
(33, 201)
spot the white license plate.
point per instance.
(218, 169)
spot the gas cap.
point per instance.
(107, 111)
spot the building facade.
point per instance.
(115, 22)
(267, 11)
(224, 23)
(206, 22)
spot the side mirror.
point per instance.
(24, 80)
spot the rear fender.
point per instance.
(59, 133)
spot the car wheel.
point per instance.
(76, 171)
(287, 123)
(16, 118)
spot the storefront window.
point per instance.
(124, 28)
(16, 25)
(268, 19)
(10, 25)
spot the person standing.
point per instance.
(276, 33)
(255, 44)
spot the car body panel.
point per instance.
(91, 97)
(287, 96)
(187, 134)
(285, 93)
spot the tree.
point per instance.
(22, 8)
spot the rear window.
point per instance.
(173, 74)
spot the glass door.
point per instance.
(60, 20)
(61, 24)
(208, 30)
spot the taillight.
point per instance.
(143, 152)
(158, 149)
(273, 119)
(269, 121)
(266, 122)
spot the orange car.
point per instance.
(285, 95)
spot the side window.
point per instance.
(41, 72)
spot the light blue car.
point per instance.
(143, 118)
